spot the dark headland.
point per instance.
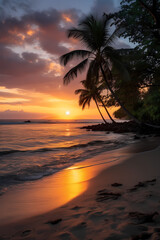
(124, 127)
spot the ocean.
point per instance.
(33, 150)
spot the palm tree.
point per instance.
(94, 90)
(86, 95)
(100, 56)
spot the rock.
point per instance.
(136, 137)
(123, 127)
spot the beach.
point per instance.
(116, 200)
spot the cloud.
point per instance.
(10, 114)
(14, 7)
(103, 6)
(30, 57)
(121, 43)
(46, 27)
(14, 65)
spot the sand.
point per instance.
(119, 201)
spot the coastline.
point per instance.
(85, 217)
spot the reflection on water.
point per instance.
(33, 151)
(42, 196)
(67, 132)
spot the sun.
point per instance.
(67, 112)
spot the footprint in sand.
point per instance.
(65, 236)
(76, 208)
(79, 230)
(97, 216)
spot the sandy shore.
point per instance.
(117, 201)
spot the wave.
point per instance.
(64, 158)
(75, 146)
(58, 162)
(39, 171)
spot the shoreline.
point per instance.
(36, 197)
(77, 218)
(124, 127)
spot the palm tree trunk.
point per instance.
(106, 109)
(116, 97)
(100, 111)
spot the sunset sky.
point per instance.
(32, 38)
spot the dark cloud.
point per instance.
(43, 19)
(12, 64)
(47, 27)
(11, 30)
(30, 57)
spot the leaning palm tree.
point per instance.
(86, 95)
(95, 90)
(100, 56)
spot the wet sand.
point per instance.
(117, 200)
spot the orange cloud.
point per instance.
(67, 18)
(57, 68)
(30, 32)
(12, 100)
(21, 36)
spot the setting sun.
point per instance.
(67, 112)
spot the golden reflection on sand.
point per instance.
(43, 195)
(37, 197)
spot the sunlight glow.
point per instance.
(66, 18)
(67, 112)
(30, 32)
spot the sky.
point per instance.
(32, 38)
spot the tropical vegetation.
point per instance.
(132, 76)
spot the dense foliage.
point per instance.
(140, 22)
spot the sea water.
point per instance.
(30, 150)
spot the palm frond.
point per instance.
(110, 40)
(64, 59)
(79, 91)
(86, 102)
(91, 31)
(84, 35)
(74, 71)
(75, 33)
